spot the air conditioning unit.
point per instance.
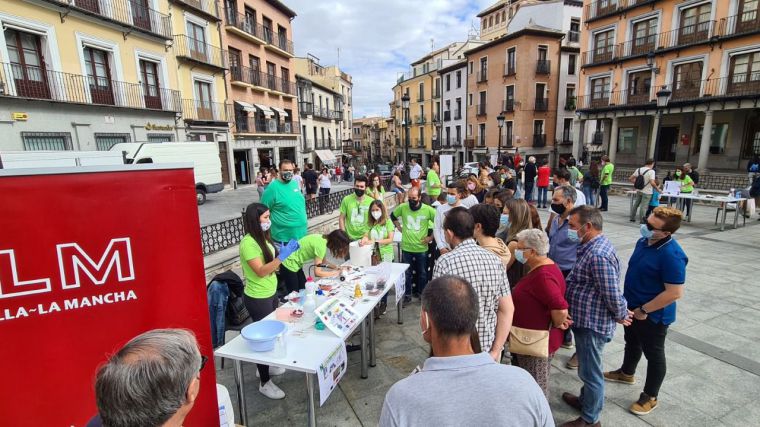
(287, 127)
(272, 126)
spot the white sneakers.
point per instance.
(273, 371)
(271, 390)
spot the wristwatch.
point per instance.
(641, 309)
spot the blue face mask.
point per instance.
(451, 199)
(573, 235)
(520, 256)
(504, 219)
(646, 232)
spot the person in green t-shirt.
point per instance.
(434, 181)
(288, 206)
(381, 231)
(605, 182)
(259, 263)
(416, 234)
(375, 188)
(313, 248)
(687, 187)
(354, 210)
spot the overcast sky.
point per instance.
(378, 38)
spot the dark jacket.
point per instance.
(530, 172)
(694, 175)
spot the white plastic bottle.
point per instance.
(310, 299)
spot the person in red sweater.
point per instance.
(544, 172)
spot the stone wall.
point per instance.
(711, 180)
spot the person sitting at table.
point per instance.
(458, 385)
(381, 231)
(259, 263)
(313, 248)
(687, 186)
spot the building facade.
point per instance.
(701, 59)
(453, 110)
(74, 76)
(320, 122)
(261, 84)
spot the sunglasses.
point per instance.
(204, 359)
(651, 228)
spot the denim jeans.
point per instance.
(542, 196)
(590, 195)
(589, 347)
(417, 263)
(603, 195)
(218, 293)
(529, 191)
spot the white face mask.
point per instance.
(377, 214)
(265, 225)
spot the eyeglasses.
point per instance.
(651, 228)
(204, 359)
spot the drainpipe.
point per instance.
(556, 120)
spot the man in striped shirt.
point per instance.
(596, 305)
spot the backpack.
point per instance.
(639, 183)
(754, 167)
(594, 182)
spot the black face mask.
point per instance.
(414, 204)
(558, 208)
(358, 192)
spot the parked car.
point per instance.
(384, 169)
(469, 168)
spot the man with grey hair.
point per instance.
(596, 303)
(479, 391)
(152, 381)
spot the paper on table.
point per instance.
(672, 188)
(331, 371)
(338, 316)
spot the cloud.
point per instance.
(378, 38)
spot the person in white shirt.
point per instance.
(298, 178)
(414, 173)
(455, 192)
(643, 195)
(324, 183)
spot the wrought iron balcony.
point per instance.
(278, 42)
(482, 76)
(744, 23)
(420, 120)
(420, 97)
(420, 143)
(543, 66)
(688, 35)
(574, 36)
(267, 126)
(307, 145)
(480, 109)
(19, 81)
(597, 138)
(436, 118)
(447, 116)
(437, 92)
(129, 13)
(325, 113)
(207, 8)
(600, 55)
(510, 70)
(457, 142)
(245, 26)
(509, 106)
(305, 108)
(542, 104)
(603, 8)
(206, 111)
(480, 141)
(248, 76)
(539, 140)
(198, 52)
(567, 137)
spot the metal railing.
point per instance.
(747, 22)
(419, 142)
(306, 108)
(244, 23)
(206, 111)
(637, 46)
(323, 144)
(457, 115)
(241, 73)
(688, 35)
(507, 142)
(510, 70)
(278, 40)
(567, 137)
(574, 36)
(325, 113)
(539, 140)
(271, 126)
(571, 103)
(457, 142)
(38, 83)
(597, 138)
(508, 106)
(482, 76)
(437, 92)
(436, 118)
(198, 51)
(307, 145)
(208, 7)
(447, 116)
(543, 66)
(542, 104)
(480, 141)
(420, 120)
(480, 110)
(420, 97)
(127, 12)
(600, 55)
(603, 8)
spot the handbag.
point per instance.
(529, 342)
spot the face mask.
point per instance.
(504, 219)
(573, 235)
(452, 200)
(646, 232)
(414, 204)
(470, 186)
(503, 176)
(287, 176)
(520, 256)
(678, 173)
(358, 192)
(265, 226)
(558, 208)
(377, 215)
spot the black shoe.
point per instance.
(603, 209)
(382, 307)
(632, 220)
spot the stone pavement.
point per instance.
(713, 349)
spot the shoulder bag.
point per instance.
(529, 342)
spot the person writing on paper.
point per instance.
(259, 263)
(381, 231)
(458, 386)
(539, 299)
(313, 248)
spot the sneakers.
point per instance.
(271, 390)
(273, 371)
(619, 377)
(567, 344)
(644, 405)
(573, 362)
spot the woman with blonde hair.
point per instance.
(476, 188)
(518, 219)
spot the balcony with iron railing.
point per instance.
(198, 52)
(481, 76)
(480, 140)
(206, 111)
(597, 138)
(507, 142)
(571, 103)
(600, 55)
(420, 97)
(436, 118)
(241, 75)
(456, 142)
(567, 137)
(543, 66)
(688, 35)
(132, 14)
(419, 143)
(480, 109)
(508, 106)
(542, 104)
(738, 25)
(419, 120)
(437, 92)
(305, 108)
(603, 8)
(457, 114)
(447, 116)
(278, 43)
(19, 81)
(539, 140)
(510, 70)
(325, 113)
(574, 36)
(207, 8)
(324, 144)
(257, 125)
(244, 26)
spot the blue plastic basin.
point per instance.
(261, 335)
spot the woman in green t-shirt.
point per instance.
(313, 248)
(381, 230)
(375, 188)
(687, 186)
(259, 263)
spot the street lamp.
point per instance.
(405, 106)
(500, 122)
(663, 96)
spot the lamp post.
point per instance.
(663, 96)
(500, 122)
(405, 106)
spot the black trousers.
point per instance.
(293, 281)
(260, 308)
(647, 337)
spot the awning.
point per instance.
(326, 156)
(264, 109)
(248, 108)
(280, 111)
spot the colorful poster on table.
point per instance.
(338, 316)
(90, 258)
(331, 371)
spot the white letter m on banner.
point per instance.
(72, 260)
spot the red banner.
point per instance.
(87, 262)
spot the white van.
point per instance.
(204, 155)
(59, 159)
